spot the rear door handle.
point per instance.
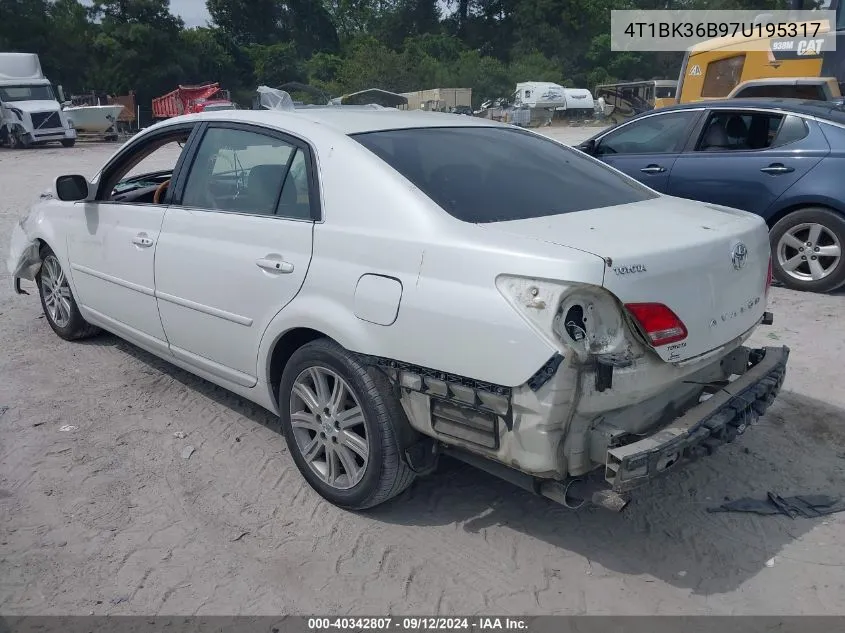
(653, 169)
(777, 168)
(274, 264)
(142, 240)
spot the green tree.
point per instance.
(369, 63)
(208, 58)
(306, 23)
(276, 64)
(247, 21)
(23, 28)
(138, 47)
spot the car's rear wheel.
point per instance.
(57, 300)
(338, 418)
(68, 142)
(807, 250)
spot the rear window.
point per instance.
(486, 174)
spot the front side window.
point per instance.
(142, 172)
(665, 92)
(487, 174)
(722, 76)
(242, 171)
(658, 134)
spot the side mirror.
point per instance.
(72, 188)
(588, 147)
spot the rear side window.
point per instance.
(792, 129)
(742, 130)
(487, 174)
(807, 92)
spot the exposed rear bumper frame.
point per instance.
(704, 427)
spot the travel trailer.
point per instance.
(539, 94)
(29, 112)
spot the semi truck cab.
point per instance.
(30, 114)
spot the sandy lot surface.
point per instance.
(110, 519)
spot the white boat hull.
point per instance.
(93, 119)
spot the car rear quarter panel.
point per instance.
(824, 185)
(451, 316)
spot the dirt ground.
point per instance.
(108, 518)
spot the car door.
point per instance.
(112, 248)
(646, 148)
(747, 158)
(235, 246)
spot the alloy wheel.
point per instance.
(809, 252)
(329, 427)
(56, 291)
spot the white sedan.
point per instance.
(399, 285)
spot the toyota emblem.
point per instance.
(739, 255)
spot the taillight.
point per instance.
(660, 324)
(769, 277)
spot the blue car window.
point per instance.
(793, 128)
(658, 134)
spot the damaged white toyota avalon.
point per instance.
(401, 285)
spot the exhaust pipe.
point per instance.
(572, 493)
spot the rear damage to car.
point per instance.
(634, 390)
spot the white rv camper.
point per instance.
(539, 94)
(579, 102)
(29, 112)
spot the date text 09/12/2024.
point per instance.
(477, 623)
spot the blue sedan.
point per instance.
(783, 159)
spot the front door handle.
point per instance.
(777, 168)
(274, 264)
(653, 169)
(142, 240)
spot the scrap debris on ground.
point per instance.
(807, 506)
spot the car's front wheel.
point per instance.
(57, 300)
(68, 142)
(338, 418)
(807, 250)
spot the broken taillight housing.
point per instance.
(661, 325)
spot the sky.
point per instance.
(193, 12)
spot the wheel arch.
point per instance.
(305, 319)
(781, 213)
(283, 348)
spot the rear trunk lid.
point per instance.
(708, 264)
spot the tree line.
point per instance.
(338, 46)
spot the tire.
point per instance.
(18, 142)
(363, 483)
(68, 142)
(824, 230)
(61, 312)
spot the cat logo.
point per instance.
(810, 48)
(695, 71)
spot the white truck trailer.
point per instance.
(29, 112)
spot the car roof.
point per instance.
(830, 110)
(354, 120)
